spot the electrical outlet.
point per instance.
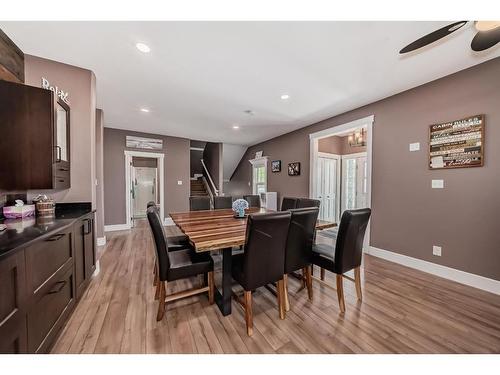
(438, 184)
(415, 146)
(179, 182)
(436, 250)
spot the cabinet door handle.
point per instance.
(88, 230)
(56, 237)
(57, 287)
(58, 153)
(64, 169)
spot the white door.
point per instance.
(144, 189)
(326, 186)
(354, 182)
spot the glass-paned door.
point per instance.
(327, 185)
(354, 182)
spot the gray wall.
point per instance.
(408, 216)
(99, 147)
(212, 157)
(176, 166)
(80, 84)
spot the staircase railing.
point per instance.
(211, 188)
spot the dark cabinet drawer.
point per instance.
(62, 182)
(61, 170)
(51, 308)
(46, 257)
(13, 336)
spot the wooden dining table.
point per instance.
(219, 230)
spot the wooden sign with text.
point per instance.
(457, 144)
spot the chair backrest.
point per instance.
(349, 245)
(160, 241)
(199, 203)
(288, 203)
(151, 204)
(265, 243)
(300, 238)
(223, 202)
(307, 202)
(253, 200)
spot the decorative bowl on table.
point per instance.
(239, 207)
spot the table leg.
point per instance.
(223, 296)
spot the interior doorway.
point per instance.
(144, 185)
(340, 169)
(144, 182)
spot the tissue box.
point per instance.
(13, 212)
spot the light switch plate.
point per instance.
(438, 184)
(436, 250)
(415, 146)
(179, 182)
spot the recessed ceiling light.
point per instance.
(144, 110)
(143, 47)
(285, 96)
(236, 126)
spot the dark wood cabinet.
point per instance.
(85, 259)
(35, 142)
(13, 305)
(40, 284)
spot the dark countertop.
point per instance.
(21, 233)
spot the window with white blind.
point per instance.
(259, 175)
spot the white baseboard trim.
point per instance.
(470, 279)
(101, 241)
(114, 227)
(168, 221)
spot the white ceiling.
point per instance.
(200, 77)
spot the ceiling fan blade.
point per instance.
(485, 39)
(432, 37)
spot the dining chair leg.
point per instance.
(357, 281)
(248, 312)
(155, 273)
(156, 278)
(309, 282)
(161, 304)
(340, 293)
(322, 275)
(287, 300)
(281, 298)
(158, 290)
(211, 287)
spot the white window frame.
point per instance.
(258, 162)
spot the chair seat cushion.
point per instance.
(324, 255)
(187, 263)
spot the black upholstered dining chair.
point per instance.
(176, 239)
(298, 255)
(199, 203)
(263, 260)
(307, 202)
(253, 200)
(346, 253)
(288, 203)
(223, 202)
(176, 265)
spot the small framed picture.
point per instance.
(294, 169)
(276, 166)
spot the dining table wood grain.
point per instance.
(210, 230)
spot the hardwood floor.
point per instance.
(403, 311)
